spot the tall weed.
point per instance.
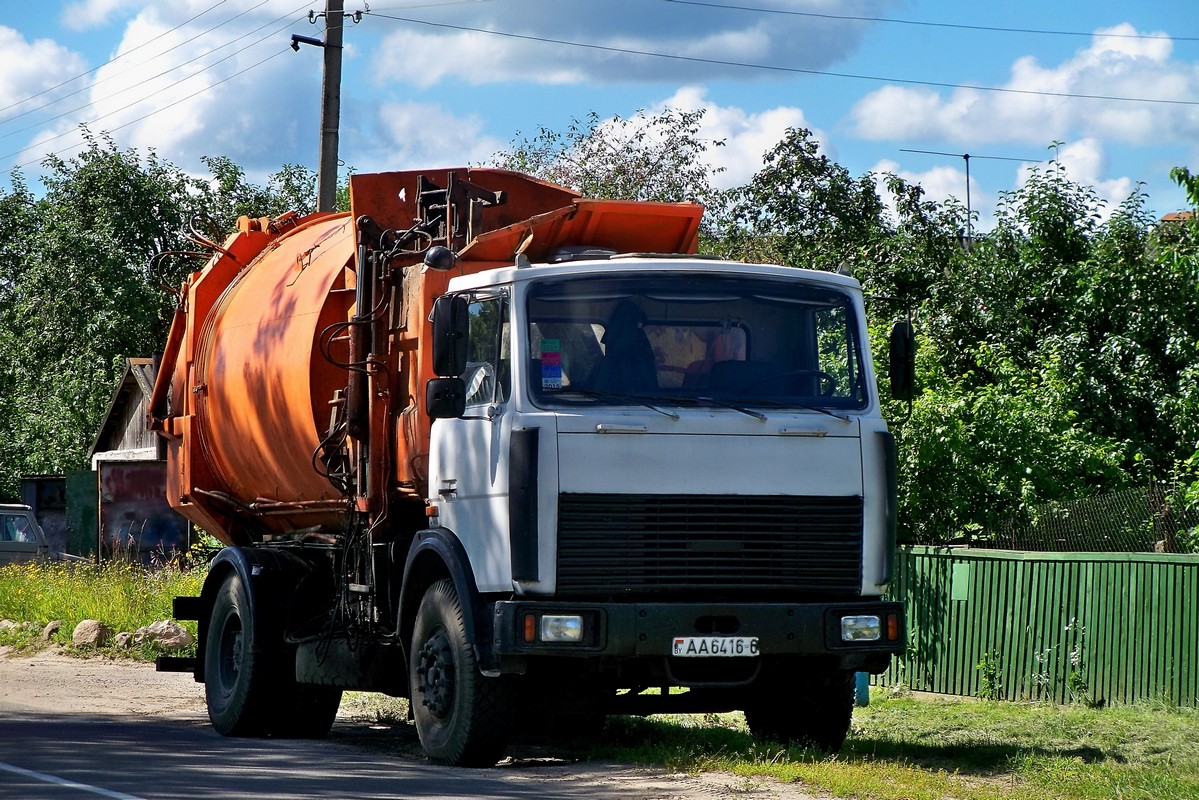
(124, 596)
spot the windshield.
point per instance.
(694, 339)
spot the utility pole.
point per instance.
(326, 177)
(969, 243)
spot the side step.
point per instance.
(175, 664)
(186, 608)
(181, 608)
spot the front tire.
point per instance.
(811, 709)
(463, 718)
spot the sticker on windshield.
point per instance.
(551, 364)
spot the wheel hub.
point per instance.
(231, 653)
(436, 675)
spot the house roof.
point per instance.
(136, 383)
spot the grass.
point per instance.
(921, 749)
(900, 748)
(123, 596)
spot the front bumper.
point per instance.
(648, 630)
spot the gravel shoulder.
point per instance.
(48, 681)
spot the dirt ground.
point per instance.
(51, 681)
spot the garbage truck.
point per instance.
(527, 460)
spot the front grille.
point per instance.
(678, 544)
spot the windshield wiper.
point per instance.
(695, 401)
(734, 407)
(596, 393)
(781, 404)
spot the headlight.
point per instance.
(861, 629)
(561, 628)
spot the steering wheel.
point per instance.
(826, 384)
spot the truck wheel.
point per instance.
(236, 685)
(305, 712)
(810, 710)
(463, 718)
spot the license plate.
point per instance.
(715, 646)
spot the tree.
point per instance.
(230, 194)
(80, 289)
(803, 210)
(79, 296)
(1055, 360)
(659, 157)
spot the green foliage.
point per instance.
(76, 297)
(79, 291)
(990, 677)
(230, 195)
(803, 210)
(1189, 183)
(645, 157)
(1050, 362)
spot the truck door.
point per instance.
(469, 469)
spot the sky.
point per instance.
(1108, 89)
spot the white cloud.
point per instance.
(746, 135)
(416, 135)
(30, 68)
(427, 59)
(187, 89)
(1112, 67)
(524, 41)
(86, 14)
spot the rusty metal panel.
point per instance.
(1101, 627)
(136, 523)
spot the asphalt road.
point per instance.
(61, 756)
(77, 730)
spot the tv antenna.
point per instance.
(966, 157)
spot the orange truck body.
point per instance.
(246, 395)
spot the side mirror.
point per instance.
(445, 398)
(902, 370)
(450, 335)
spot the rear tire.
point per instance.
(305, 712)
(463, 717)
(236, 685)
(809, 709)
(249, 674)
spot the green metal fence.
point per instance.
(1099, 627)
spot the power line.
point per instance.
(106, 63)
(152, 113)
(168, 70)
(442, 4)
(159, 91)
(989, 28)
(792, 70)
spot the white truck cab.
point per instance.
(678, 472)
